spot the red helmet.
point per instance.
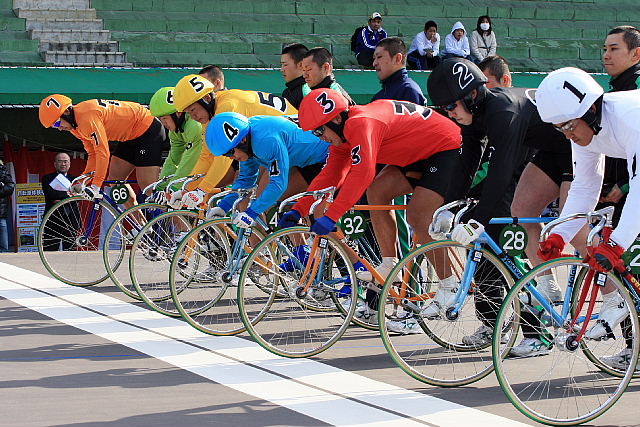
(319, 107)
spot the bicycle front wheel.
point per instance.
(71, 240)
(420, 331)
(561, 386)
(288, 305)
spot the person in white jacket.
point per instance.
(483, 40)
(456, 43)
(425, 48)
(599, 124)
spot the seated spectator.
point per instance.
(456, 44)
(424, 50)
(291, 69)
(496, 68)
(367, 39)
(483, 40)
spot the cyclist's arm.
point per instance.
(97, 147)
(247, 178)
(176, 150)
(273, 151)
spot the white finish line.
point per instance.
(314, 389)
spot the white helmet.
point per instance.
(566, 94)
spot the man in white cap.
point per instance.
(367, 38)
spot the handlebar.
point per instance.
(468, 204)
(84, 178)
(604, 217)
(316, 194)
(154, 185)
(188, 180)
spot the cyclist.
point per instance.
(291, 157)
(185, 135)
(96, 122)
(418, 145)
(195, 95)
(598, 124)
(510, 122)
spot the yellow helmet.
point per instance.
(191, 89)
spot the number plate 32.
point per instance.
(353, 224)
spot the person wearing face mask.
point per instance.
(424, 50)
(483, 40)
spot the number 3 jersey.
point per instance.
(385, 131)
(248, 103)
(100, 121)
(278, 144)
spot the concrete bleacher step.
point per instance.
(56, 13)
(64, 24)
(70, 35)
(79, 46)
(74, 58)
(51, 4)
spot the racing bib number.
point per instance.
(120, 194)
(513, 240)
(631, 257)
(353, 224)
(272, 217)
(273, 101)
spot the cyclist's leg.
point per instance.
(120, 168)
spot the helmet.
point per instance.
(319, 107)
(51, 109)
(566, 94)
(161, 103)
(454, 79)
(190, 89)
(225, 131)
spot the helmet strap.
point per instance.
(339, 128)
(473, 104)
(179, 121)
(70, 116)
(246, 146)
(593, 118)
(209, 106)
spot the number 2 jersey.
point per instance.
(389, 132)
(248, 103)
(100, 121)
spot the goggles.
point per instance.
(318, 132)
(56, 124)
(229, 153)
(566, 127)
(449, 107)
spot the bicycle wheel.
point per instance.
(76, 225)
(203, 287)
(563, 387)
(121, 235)
(439, 349)
(291, 325)
(151, 255)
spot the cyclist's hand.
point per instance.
(441, 226)
(215, 212)
(467, 233)
(289, 219)
(605, 256)
(76, 189)
(92, 192)
(324, 225)
(244, 219)
(551, 248)
(159, 197)
(193, 199)
(175, 201)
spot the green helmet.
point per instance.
(161, 103)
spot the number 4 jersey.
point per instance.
(388, 132)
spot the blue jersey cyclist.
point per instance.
(291, 157)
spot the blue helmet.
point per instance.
(225, 131)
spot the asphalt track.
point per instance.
(92, 357)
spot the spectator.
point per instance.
(291, 69)
(483, 40)
(317, 69)
(368, 39)
(6, 190)
(496, 68)
(456, 44)
(215, 75)
(424, 50)
(52, 235)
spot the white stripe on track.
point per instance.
(306, 386)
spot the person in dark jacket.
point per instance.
(7, 186)
(54, 235)
(368, 39)
(390, 61)
(291, 69)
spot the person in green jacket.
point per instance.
(185, 135)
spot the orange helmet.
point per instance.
(51, 108)
(319, 107)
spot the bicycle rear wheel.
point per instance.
(437, 349)
(151, 255)
(121, 235)
(280, 312)
(562, 387)
(76, 225)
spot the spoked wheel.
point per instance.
(562, 386)
(204, 277)
(121, 235)
(305, 320)
(71, 240)
(421, 330)
(151, 256)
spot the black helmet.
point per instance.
(454, 79)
